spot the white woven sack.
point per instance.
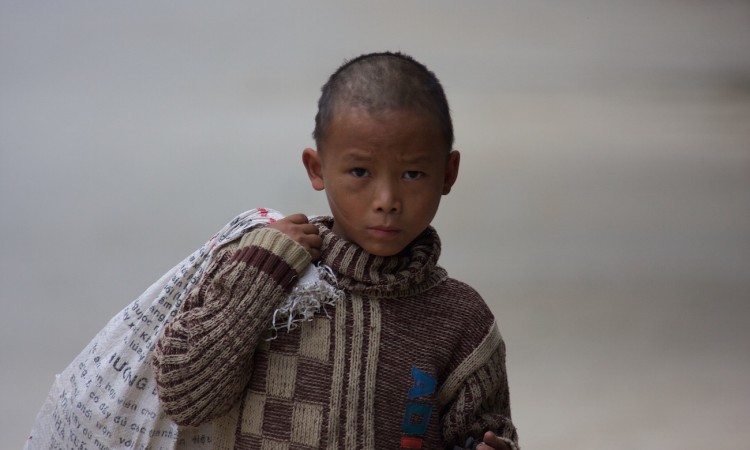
(106, 398)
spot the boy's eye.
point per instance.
(413, 174)
(359, 172)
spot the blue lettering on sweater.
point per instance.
(424, 384)
(417, 414)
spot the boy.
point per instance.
(408, 358)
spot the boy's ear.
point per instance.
(451, 171)
(314, 167)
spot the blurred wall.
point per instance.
(602, 209)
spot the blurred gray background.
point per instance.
(602, 209)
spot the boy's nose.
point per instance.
(387, 198)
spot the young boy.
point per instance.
(408, 357)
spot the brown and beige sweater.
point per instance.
(408, 359)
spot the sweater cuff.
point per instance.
(280, 244)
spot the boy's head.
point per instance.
(380, 82)
(384, 157)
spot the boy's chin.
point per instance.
(383, 249)
(372, 243)
(377, 249)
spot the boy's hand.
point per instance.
(304, 233)
(492, 441)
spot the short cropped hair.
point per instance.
(379, 82)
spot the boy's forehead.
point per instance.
(407, 136)
(356, 126)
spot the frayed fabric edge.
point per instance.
(312, 293)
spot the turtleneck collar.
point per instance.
(411, 272)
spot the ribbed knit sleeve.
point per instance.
(203, 361)
(476, 396)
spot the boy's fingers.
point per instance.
(296, 218)
(491, 441)
(309, 229)
(314, 254)
(301, 230)
(311, 243)
(300, 222)
(314, 241)
(296, 224)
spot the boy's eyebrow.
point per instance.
(409, 159)
(357, 156)
(418, 158)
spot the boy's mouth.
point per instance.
(383, 232)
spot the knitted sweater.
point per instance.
(409, 358)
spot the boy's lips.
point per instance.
(383, 232)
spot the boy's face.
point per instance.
(383, 176)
